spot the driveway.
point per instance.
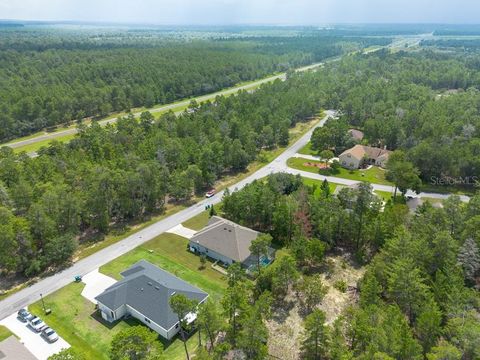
(32, 340)
(95, 283)
(182, 231)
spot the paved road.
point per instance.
(57, 134)
(84, 266)
(400, 42)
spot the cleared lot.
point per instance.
(32, 340)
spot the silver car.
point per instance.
(36, 324)
(49, 334)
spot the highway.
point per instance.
(397, 43)
(52, 283)
(234, 90)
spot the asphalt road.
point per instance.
(52, 283)
(57, 134)
(84, 266)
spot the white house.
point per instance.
(144, 293)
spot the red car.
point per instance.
(210, 193)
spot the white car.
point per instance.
(36, 324)
(49, 334)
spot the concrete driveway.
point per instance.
(32, 340)
(182, 231)
(95, 283)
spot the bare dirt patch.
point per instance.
(286, 326)
(317, 165)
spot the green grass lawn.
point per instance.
(38, 145)
(307, 150)
(75, 320)
(374, 175)
(385, 195)
(312, 182)
(4, 333)
(198, 222)
(169, 251)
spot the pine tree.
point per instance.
(316, 337)
(469, 258)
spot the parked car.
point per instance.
(36, 324)
(23, 315)
(210, 193)
(49, 334)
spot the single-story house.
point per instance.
(355, 134)
(361, 155)
(144, 293)
(225, 241)
(12, 349)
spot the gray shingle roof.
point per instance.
(12, 349)
(226, 238)
(148, 289)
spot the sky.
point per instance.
(261, 12)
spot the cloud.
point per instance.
(243, 11)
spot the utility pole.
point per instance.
(43, 303)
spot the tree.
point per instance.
(444, 351)
(406, 286)
(313, 291)
(212, 212)
(182, 306)
(234, 304)
(316, 337)
(326, 155)
(469, 258)
(209, 318)
(66, 354)
(325, 188)
(253, 335)
(203, 261)
(402, 173)
(259, 247)
(135, 343)
(285, 273)
(428, 325)
(370, 290)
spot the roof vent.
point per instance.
(156, 287)
(224, 228)
(149, 283)
(173, 293)
(141, 289)
(229, 230)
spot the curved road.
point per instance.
(86, 265)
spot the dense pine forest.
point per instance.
(417, 297)
(51, 77)
(117, 174)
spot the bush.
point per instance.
(340, 285)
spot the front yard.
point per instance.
(75, 318)
(374, 175)
(4, 333)
(169, 252)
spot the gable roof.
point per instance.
(226, 238)
(147, 289)
(356, 134)
(12, 349)
(361, 151)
